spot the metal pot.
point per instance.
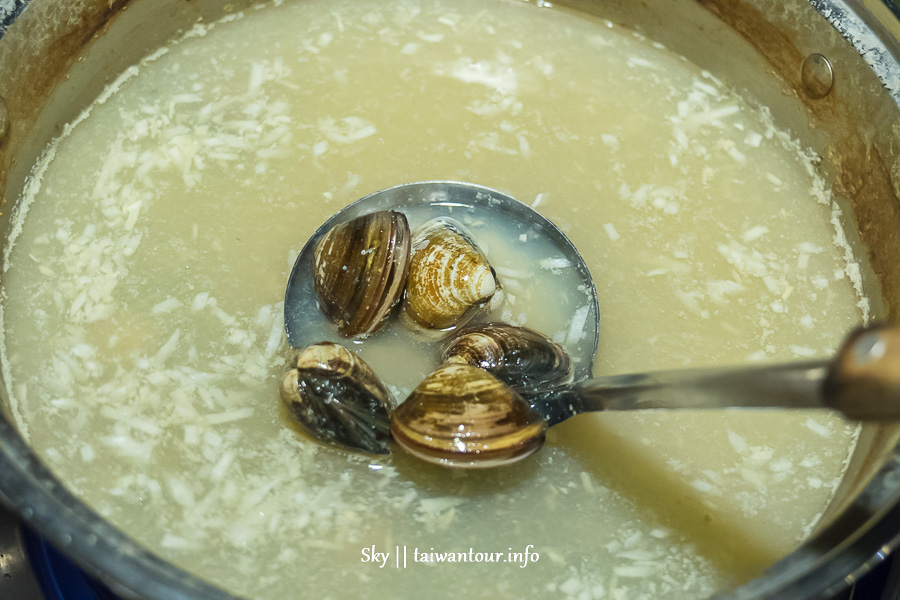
(829, 68)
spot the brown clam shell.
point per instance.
(450, 280)
(522, 358)
(360, 270)
(465, 417)
(335, 397)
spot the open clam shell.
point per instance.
(335, 397)
(450, 280)
(523, 358)
(360, 270)
(464, 416)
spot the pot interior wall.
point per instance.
(59, 55)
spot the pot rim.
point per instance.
(81, 533)
(855, 542)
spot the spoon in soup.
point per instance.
(463, 416)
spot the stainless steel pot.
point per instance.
(828, 69)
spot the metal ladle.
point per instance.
(862, 381)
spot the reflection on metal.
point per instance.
(17, 579)
(817, 76)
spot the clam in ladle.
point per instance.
(344, 303)
(469, 204)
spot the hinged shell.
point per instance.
(523, 358)
(336, 398)
(450, 280)
(465, 417)
(360, 270)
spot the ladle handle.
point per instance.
(863, 380)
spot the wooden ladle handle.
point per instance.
(863, 381)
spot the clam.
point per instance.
(463, 416)
(520, 357)
(360, 270)
(450, 280)
(336, 398)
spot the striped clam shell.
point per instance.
(450, 280)
(360, 269)
(465, 417)
(522, 358)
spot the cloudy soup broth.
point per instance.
(142, 302)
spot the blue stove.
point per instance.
(32, 569)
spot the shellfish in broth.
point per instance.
(463, 416)
(337, 398)
(526, 360)
(450, 279)
(360, 270)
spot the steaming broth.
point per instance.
(142, 315)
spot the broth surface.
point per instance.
(142, 315)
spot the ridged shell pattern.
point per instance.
(523, 358)
(465, 417)
(360, 270)
(450, 280)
